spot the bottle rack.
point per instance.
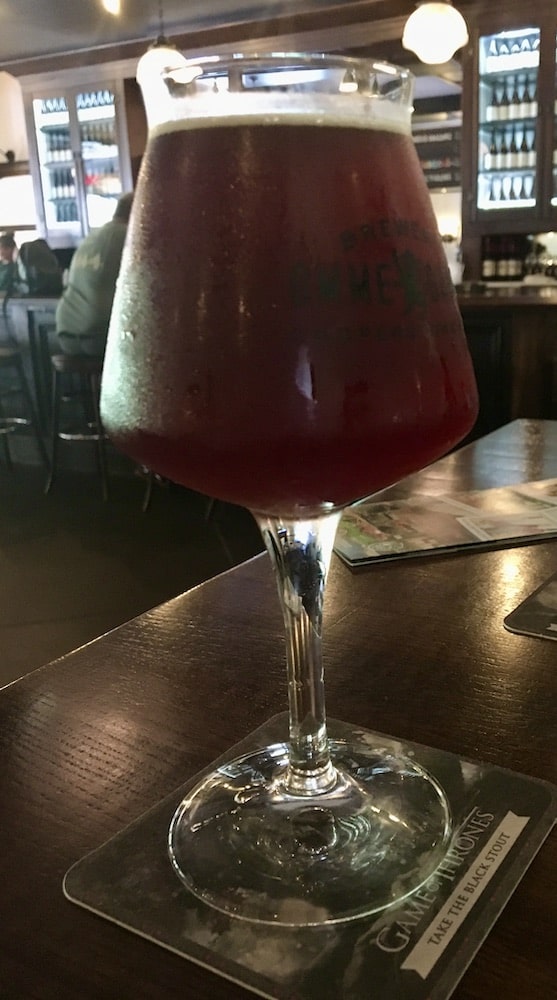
(97, 130)
(508, 113)
(56, 158)
(62, 192)
(503, 257)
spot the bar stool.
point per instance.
(11, 363)
(76, 380)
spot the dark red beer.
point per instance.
(285, 331)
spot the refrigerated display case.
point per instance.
(508, 126)
(82, 163)
(509, 135)
(511, 125)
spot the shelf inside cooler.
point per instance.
(55, 120)
(506, 171)
(507, 205)
(58, 164)
(499, 76)
(507, 123)
(92, 115)
(511, 62)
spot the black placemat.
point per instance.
(416, 950)
(537, 615)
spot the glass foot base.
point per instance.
(246, 846)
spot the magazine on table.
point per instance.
(375, 529)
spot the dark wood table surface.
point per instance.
(413, 648)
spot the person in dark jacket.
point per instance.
(8, 263)
(83, 312)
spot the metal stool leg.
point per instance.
(86, 371)
(33, 415)
(54, 428)
(5, 443)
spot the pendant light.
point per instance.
(161, 57)
(434, 31)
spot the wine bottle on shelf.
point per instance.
(531, 148)
(492, 196)
(523, 150)
(524, 106)
(501, 267)
(492, 49)
(494, 149)
(528, 184)
(506, 187)
(513, 151)
(489, 155)
(492, 109)
(488, 259)
(502, 152)
(515, 100)
(530, 98)
(504, 103)
(516, 263)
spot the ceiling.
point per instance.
(35, 33)
(35, 28)
(43, 27)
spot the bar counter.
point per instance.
(524, 296)
(512, 336)
(415, 649)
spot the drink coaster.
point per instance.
(537, 615)
(416, 950)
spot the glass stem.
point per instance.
(300, 552)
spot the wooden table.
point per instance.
(413, 648)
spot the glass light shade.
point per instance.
(161, 57)
(162, 60)
(434, 32)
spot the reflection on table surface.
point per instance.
(415, 648)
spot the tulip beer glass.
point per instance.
(285, 336)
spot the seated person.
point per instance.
(8, 263)
(83, 312)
